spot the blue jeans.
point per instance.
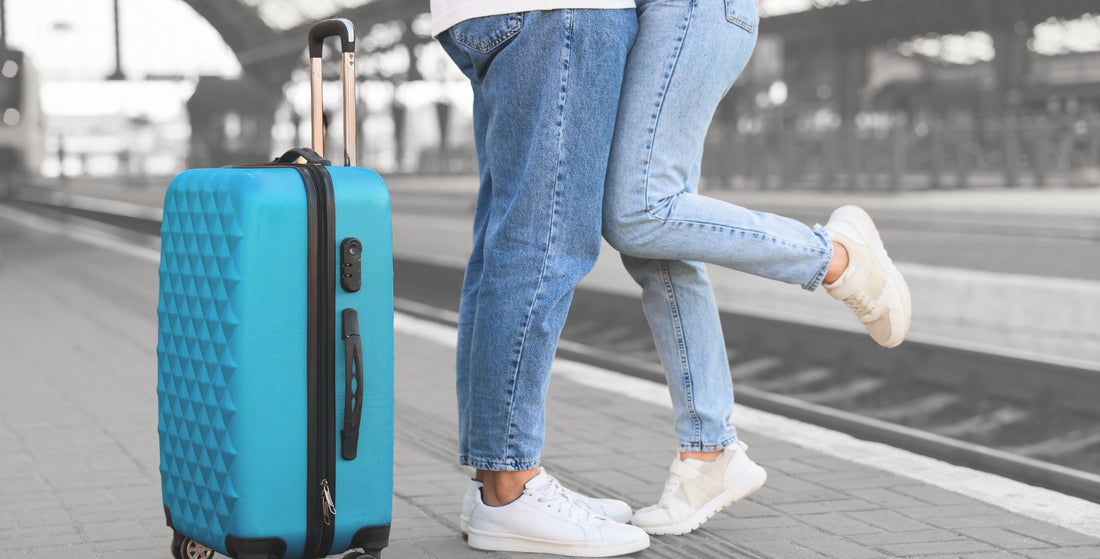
(687, 55)
(546, 91)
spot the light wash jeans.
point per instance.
(546, 91)
(687, 55)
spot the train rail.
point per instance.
(1029, 420)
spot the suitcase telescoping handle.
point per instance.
(343, 29)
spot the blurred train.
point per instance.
(22, 132)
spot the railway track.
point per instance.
(1033, 421)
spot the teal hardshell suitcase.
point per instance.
(275, 352)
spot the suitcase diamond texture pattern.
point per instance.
(197, 318)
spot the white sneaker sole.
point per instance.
(860, 218)
(747, 483)
(510, 542)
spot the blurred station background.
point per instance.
(880, 94)
(969, 128)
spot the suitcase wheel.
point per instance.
(367, 554)
(184, 547)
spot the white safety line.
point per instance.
(82, 230)
(1034, 502)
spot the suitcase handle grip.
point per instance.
(305, 154)
(353, 385)
(342, 28)
(338, 27)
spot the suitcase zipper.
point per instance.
(326, 365)
(321, 367)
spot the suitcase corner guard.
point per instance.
(258, 548)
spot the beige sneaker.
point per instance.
(871, 285)
(697, 489)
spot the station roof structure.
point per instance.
(265, 32)
(867, 22)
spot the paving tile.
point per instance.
(839, 524)
(1087, 552)
(959, 546)
(784, 533)
(885, 498)
(1053, 534)
(779, 549)
(979, 555)
(890, 538)
(1004, 538)
(833, 505)
(940, 512)
(732, 520)
(889, 521)
(958, 522)
(839, 548)
(934, 495)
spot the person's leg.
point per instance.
(687, 56)
(547, 87)
(549, 83)
(679, 304)
(685, 59)
(471, 281)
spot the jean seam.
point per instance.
(732, 229)
(550, 229)
(656, 118)
(508, 35)
(491, 464)
(819, 277)
(702, 447)
(681, 347)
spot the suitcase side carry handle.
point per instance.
(353, 385)
(343, 29)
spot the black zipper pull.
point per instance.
(328, 506)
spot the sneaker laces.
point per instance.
(580, 499)
(672, 484)
(862, 303)
(554, 494)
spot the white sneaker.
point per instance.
(547, 519)
(472, 496)
(612, 508)
(871, 285)
(697, 489)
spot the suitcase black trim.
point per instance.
(371, 538)
(255, 548)
(321, 472)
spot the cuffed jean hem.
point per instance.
(496, 465)
(820, 275)
(700, 447)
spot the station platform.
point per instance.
(1008, 271)
(78, 433)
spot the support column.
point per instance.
(1011, 67)
(853, 73)
(117, 74)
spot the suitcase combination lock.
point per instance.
(351, 269)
